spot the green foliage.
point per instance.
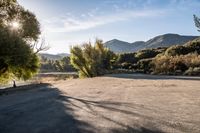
(176, 50)
(17, 58)
(127, 57)
(173, 64)
(136, 57)
(62, 65)
(66, 65)
(11, 11)
(145, 65)
(91, 61)
(30, 29)
(193, 71)
(7, 10)
(148, 53)
(191, 47)
(126, 65)
(173, 60)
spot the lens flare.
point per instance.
(15, 25)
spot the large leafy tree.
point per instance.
(91, 61)
(17, 56)
(11, 11)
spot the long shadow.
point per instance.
(45, 109)
(38, 110)
(115, 107)
(28, 87)
(153, 77)
(136, 130)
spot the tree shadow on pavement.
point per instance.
(38, 110)
(136, 130)
(90, 107)
(49, 110)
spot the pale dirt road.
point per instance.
(110, 104)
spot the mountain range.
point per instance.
(119, 46)
(165, 40)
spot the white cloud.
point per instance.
(71, 24)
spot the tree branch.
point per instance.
(40, 46)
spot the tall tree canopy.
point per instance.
(19, 28)
(11, 11)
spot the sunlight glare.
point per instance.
(15, 25)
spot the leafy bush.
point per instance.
(193, 71)
(191, 47)
(91, 61)
(127, 57)
(176, 50)
(173, 64)
(62, 65)
(149, 53)
(126, 65)
(130, 60)
(145, 65)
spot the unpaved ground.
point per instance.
(110, 104)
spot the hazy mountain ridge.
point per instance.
(118, 46)
(165, 40)
(54, 56)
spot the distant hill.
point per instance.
(54, 57)
(165, 40)
(63, 54)
(118, 46)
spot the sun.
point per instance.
(15, 25)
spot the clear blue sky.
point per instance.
(69, 22)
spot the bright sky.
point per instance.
(68, 22)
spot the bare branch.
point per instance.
(39, 46)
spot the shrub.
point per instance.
(127, 57)
(145, 65)
(126, 65)
(173, 64)
(191, 47)
(149, 53)
(91, 61)
(193, 71)
(133, 58)
(176, 50)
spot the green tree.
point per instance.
(91, 61)
(17, 56)
(66, 65)
(17, 59)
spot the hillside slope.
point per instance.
(165, 40)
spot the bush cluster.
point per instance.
(175, 60)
